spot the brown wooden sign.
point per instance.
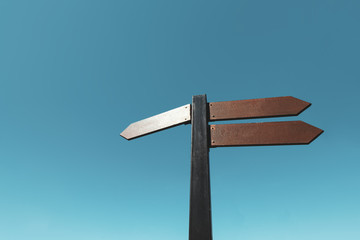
(256, 108)
(267, 133)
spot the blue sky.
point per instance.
(74, 74)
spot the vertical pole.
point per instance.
(200, 206)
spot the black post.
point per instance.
(200, 206)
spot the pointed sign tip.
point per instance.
(125, 134)
(121, 135)
(319, 132)
(302, 105)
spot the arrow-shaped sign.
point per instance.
(172, 118)
(257, 108)
(267, 133)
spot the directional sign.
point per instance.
(172, 118)
(267, 133)
(256, 108)
(204, 137)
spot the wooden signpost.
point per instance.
(204, 137)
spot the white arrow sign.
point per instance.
(172, 118)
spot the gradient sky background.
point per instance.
(75, 73)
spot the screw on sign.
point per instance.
(204, 137)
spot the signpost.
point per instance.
(204, 137)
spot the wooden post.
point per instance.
(200, 205)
